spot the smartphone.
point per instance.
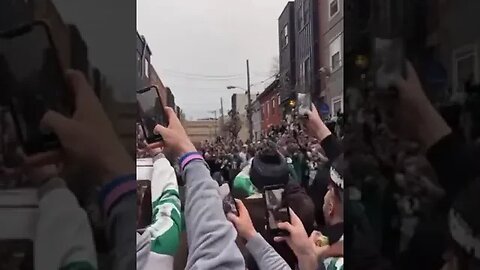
(144, 203)
(151, 112)
(304, 104)
(229, 204)
(144, 192)
(276, 209)
(11, 157)
(33, 82)
(16, 254)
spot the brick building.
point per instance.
(271, 106)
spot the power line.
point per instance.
(203, 78)
(265, 80)
(203, 75)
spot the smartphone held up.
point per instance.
(229, 204)
(276, 209)
(304, 104)
(151, 112)
(33, 82)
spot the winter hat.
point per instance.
(269, 168)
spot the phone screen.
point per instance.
(229, 205)
(16, 254)
(144, 203)
(277, 208)
(151, 112)
(32, 83)
(304, 103)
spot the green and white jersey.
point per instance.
(333, 263)
(160, 241)
(242, 186)
(63, 236)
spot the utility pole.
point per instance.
(222, 119)
(249, 107)
(216, 122)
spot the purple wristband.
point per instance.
(190, 158)
(120, 190)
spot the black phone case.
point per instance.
(155, 138)
(275, 232)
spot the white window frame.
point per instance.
(305, 11)
(305, 75)
(302, 73)
(146, 68)
(462, 53)
(334, 47)
(285, 35)
(335, 100)
(139, 66)
(302, 19)
(330, 15)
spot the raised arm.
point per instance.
(211, 238)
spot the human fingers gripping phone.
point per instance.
(276, 209)
(35, 84)
(151, 113)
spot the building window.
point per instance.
(147, 68)
(465, 67)
(305, 10)
(333, 8)
(337, 105)
(139, 66)
(335, 61)
(335, 49)
(302, 74)
(306, 71)
(301, 19)
(285, 36)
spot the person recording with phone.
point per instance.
(158, 242)
(89, 139)
(211, 238)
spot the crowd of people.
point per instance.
(411, 191)
(409, 184)
(267, 165)
(303, 153)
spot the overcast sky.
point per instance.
(200, 47)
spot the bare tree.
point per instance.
(233, 125)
